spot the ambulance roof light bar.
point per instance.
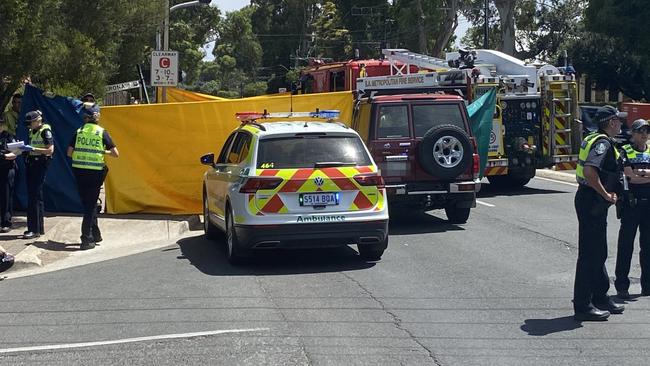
(329, 114)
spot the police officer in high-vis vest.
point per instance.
(87, 150)
(598, 175)
(635, 211)
(39, 154)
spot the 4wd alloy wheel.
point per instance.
(445, 151)
(448, 151)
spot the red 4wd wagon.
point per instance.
(424, 146)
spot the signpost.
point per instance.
(164, 68)
(122, 86)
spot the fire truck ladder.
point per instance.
(560, 95)
(408, 59)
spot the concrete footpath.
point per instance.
(568, 176)
(59, 248)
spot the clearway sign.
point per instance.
(164, 68)
(122, 86)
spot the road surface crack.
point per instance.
(284, 318)
(397, 321)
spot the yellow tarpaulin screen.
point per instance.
(160, 145)
(176, 95)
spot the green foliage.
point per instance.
(541, 28)
(370, 24)
(189, 30)
(614, 50)
(332, 40)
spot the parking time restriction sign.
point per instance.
(164, 68)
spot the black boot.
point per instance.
(610, 306)
(591, 315)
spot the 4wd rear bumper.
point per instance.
(433, 195)
(298, 236)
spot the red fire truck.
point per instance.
(535, 121)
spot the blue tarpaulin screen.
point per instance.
(60, 191)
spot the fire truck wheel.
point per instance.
(445, 151)
(507, 181)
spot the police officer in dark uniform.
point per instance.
(39, 154)
(635, 211)
(87, 150)
(598, 175)
(7, 176)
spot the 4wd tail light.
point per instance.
(370, 180)
(476, 165)
(252, 185)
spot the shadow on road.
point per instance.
(410, 223)
(209, 257)
(542, 327)
(487, 191)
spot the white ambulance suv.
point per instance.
(294, 184)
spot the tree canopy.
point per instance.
(74, 46)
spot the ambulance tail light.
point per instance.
(252, 185)
(370, 180)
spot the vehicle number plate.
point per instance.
(319, 199)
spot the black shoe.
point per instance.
(611, 306)
(86, 246)
(97, 239)
(591, 315)
(30, 235)
(623, 295)
(5, 229)
(26, 232)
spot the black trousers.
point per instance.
(591, 281)
(36, 170)
(7, 178)
(89, 183)
(633, 218)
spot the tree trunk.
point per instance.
(447, 29)
(506, 9)
(422, 36)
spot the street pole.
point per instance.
(485, 25)
(166, 44)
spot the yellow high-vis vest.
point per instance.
(36, 138)
(584, 153)
(89, 148)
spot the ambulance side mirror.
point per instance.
(208, 159)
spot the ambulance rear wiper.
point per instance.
(330, 164)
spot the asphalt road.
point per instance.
(495, 291)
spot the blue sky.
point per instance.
(230, 5)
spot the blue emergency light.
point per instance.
(327, 113)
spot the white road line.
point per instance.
(558, 181)
(127, 340)
(484, 203)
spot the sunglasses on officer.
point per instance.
(642, 130)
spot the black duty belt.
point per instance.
(35, 158)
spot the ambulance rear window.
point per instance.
(307, 150)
